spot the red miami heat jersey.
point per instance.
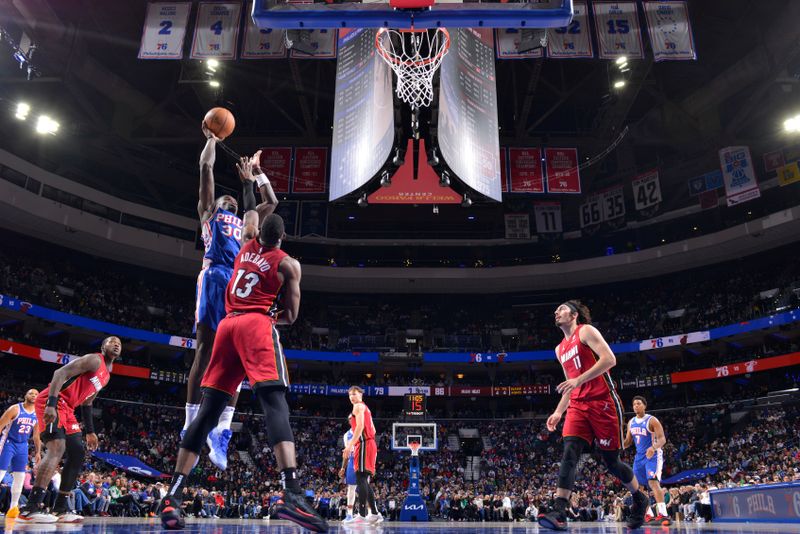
(577, 358)
(369, 426)
(255, 284)
(78, 389)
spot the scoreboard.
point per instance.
(414, 406)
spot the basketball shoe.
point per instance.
(660, 520)
(554, 520)
(13, 513)
(294, 507)
(217, 442)
(170, 513)
(638, 508)
(38, 516)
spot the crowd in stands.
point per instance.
(628, 311)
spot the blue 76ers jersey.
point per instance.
(222, 237)
(348, 436)
(642, 437)
(21, 428)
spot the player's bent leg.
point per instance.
(33, 511)
(75, 453)
(625, 474)
(556, 519)
(202, 355)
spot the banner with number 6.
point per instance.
(618, 32)
(217, 30)
(164, 30)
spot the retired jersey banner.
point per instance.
(618, 33)
(591, 211)
(263, 44)
(738, 174)
(548, 217)
(563, 175)
(164, 30)
(670, 30)
(503, 170)
(572, 41)
(277, 165)
(774, 160)
(788, 174)
(613, 203)
(322, 41)
(216, 31)
(525, 170)
(518, 226)
(310, 170)
(646, 190)
(507, 45)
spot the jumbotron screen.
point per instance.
(468, 133)
(363, 113)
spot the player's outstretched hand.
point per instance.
(245, 168)
(91, 441)
(255, 161)
(208, 133)
(49, 415)
(552, 421)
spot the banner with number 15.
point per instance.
(217, 30)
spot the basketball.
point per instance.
(220, 121)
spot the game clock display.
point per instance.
(414, 405)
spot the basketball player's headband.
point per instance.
(571, 307)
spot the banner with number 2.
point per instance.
(216, 31)
(164, 30)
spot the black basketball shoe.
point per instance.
(296, 509)
(638, 508)
(170, 512)
(554, 520)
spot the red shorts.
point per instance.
(365, 455)
(599, 420)
(64, 424)
(246, 345)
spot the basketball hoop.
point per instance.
(414, 448)
(414, 56)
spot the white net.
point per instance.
(414, 56)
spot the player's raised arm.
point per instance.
(269, 201)
(87, 364)
(207, 157)
(8, 416)
(659, 439)
(290, 269)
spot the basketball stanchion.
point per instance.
(414, 508)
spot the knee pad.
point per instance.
(620, 470)
(276, 414)
(211, 407)
(573, 448)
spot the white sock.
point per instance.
(225, 419)
(662, 508)
(191, 413)
(649, 511)
(16, 488)
(2, 474)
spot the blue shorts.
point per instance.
(212, 283)
(350, 473)
(14, 454)
(648, 469)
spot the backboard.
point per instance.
(310, 14)
(405, 433)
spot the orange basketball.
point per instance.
(220, 121)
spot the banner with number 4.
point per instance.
(164, 30)
(216, 31)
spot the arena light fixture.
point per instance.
(212, 64)
(213, 83)
(619, 84)
(622, 60)
(792, 124)
(46, 125)
(22, 111)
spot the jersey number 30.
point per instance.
(248, 282)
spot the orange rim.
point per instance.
(385, 55)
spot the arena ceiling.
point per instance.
(131, 127)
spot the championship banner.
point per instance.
(740, 368)
(525, 170)
(503, 170)
(618, 33)
(646, 190)
(670, 30)
(322, 41)
(574, 40)
(774, 160)
(613, 203)
(263, 44)
(738, 174)
(518, 226)
(310, 170)
(216, 31)
(548, 217)
(591, 212)
(277, 165)
(164, 30)
(563, 175)
(506, 42)
(788, 174)
(672, 341)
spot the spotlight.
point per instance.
(444, 179)
(621, 60)
(362, 201)
(213, 83)
(212, 64)
(466, 202)
(22, 111)
(792, 124)
(619, 84)
(46, 125)
(386, 180)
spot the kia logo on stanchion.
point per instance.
(413, 507)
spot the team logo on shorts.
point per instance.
(605, 442)
(75, 426)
